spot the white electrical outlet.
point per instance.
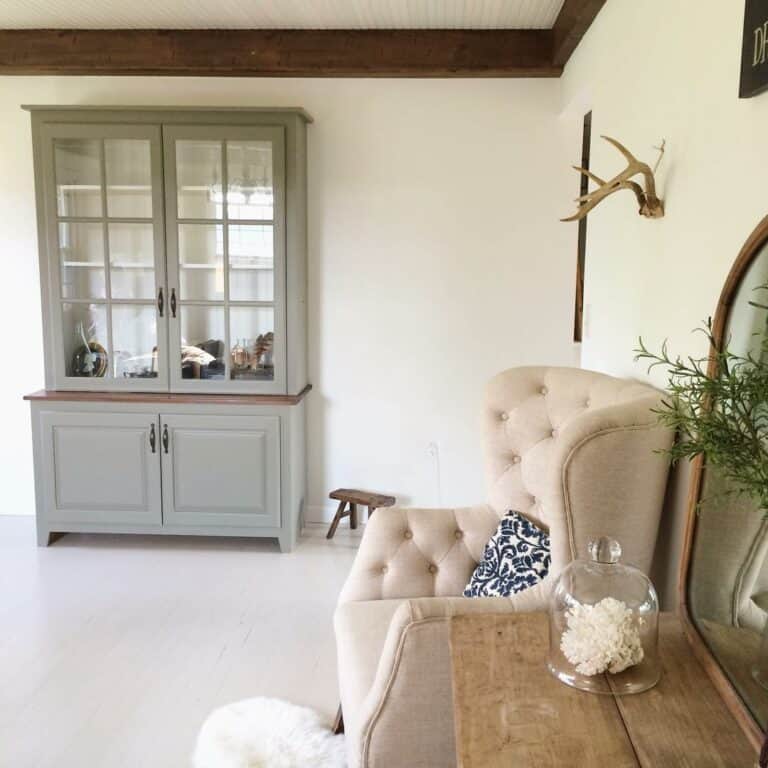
(433, 451)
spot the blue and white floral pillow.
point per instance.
(516, 558)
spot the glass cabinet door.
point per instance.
(226, 265)
(107, 266)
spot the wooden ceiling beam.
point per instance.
(570, 26)
(279, 53)
(300, 52)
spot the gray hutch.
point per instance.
(173, 251)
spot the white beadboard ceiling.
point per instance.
(278, 14)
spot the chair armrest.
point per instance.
(418, 552)
(410, 702)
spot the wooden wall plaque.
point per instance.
(754, 49)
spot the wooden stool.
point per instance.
(351, 497)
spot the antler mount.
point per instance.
(650, 204)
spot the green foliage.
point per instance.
(722, 415)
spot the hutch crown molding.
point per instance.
(173, 275)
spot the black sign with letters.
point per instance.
(754, 49)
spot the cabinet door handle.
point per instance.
(160, 302)
(152, 437)
(173, 302)
(165, 438)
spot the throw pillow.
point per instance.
(516, 558)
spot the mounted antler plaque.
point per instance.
(650, 205)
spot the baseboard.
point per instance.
(320, 513)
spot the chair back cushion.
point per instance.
(536, 418)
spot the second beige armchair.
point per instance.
(576, 452)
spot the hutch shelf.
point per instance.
(173, 273)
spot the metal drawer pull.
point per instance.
(165, 438)
(173, 302)
(160, 302)
(152, 437)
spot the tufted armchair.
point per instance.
(571, 449)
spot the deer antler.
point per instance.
(650, 204)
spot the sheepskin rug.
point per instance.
(267, 733)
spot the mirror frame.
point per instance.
(738, 708)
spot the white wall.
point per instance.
(653, 69)
(436, 260)
(662, 68)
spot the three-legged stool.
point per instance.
(348, 499)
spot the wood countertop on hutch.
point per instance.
(163, 398)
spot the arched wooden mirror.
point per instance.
(724, 577)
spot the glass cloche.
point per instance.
(604, 624)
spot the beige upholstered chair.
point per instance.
(571, 449)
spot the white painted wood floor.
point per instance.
(114, 649)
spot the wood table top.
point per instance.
(357, 496)
(510, 711)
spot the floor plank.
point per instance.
(114, 649)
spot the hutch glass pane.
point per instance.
(132, 261)
(202, 342)
(228, 288)
(134, 336)
(201, 261)
(251, 263)
(250, 190)
(251, 330)
(78, 177)
(129, 178)
(81, 255)
(85, 339)
(199, 179)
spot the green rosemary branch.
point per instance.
(722, 416)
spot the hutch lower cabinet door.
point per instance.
(101, 468)
(221, 471)
(161, 467)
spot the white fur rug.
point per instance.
(267, 733)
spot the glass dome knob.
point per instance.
(605, 550)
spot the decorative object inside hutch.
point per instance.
(603, 631)
(173, 262)
(90, 359)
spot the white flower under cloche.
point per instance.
(601, 638)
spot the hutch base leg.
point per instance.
(45, 538)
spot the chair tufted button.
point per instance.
(553, 433)
(408, 534)
(504, 416)
(432, 568)
(515, 459)
(459, 534)
(384, 569)
(587, 403)
(544, 390)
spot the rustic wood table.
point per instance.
(509, 711)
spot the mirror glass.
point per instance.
(728, 577)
